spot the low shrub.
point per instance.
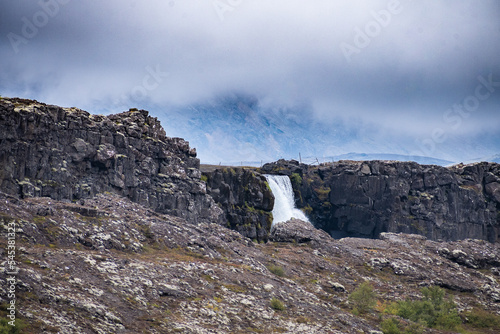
(277, 305)
(482, 319)
(296, 179)
(434, 310)
(363, 298)
(277, 270)
(390, 326)
(394, 326)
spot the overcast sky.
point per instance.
(401, 66)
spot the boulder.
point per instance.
(297, 231)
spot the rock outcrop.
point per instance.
(299, 231)
(67, 153)
(245, 198)
(363, 199)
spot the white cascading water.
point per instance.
(284, 201)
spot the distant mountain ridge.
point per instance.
(239, 129)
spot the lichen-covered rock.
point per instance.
(69, 154)
(365, 198)
(296, 230)
(108, 265)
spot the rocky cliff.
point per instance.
(97, 236)
(245, 198)
(67, 153)
(363, 199)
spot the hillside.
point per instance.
(109, 226)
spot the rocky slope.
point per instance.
(67, 153)
(108, 265)
(370, 197)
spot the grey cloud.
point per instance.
(426, 58)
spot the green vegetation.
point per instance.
(394, 326)
(235, 288)
(296, 180)
(322, 192)
(277, 305)
(433, 311)
(5, 327)
(363, 298)
(277, 270)
(303, 320)
(204, 178)
(390, 326)
(307, 209)
(268, 186)
(482, 319)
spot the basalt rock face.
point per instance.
(245, 198)
(69, 154)
(363, 199)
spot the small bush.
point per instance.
(303, 320)
(277, 270)
(394, 326)
(6, 328)
(277, 305)
(482, 319)
(307, 209)
(434, 310)
(322, 192)
(363, 298)
(390, 326)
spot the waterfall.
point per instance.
(284, 201)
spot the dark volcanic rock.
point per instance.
(246, 199)
(363, 199)
(69, 154)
